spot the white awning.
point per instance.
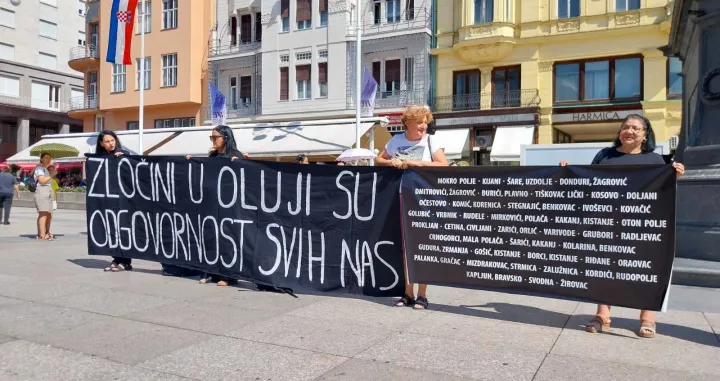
(85, 143)
(270, 141)
(455, 141)
(508, 141)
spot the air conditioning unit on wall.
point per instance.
(673, 141)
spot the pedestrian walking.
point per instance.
(8, 187)
(634, 145)
(43, 197)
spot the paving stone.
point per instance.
(458, 358)
(329, 336)
(122, 340)
(224, 358)
(269, 301)
(213, 319)
(39, 288)
(110, 302)
(572, 368)
(363, 312)
(29, 319)
(362, 370)
(6, 339)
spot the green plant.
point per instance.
(72, 189)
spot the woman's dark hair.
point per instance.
(227, 135)
(649, 144)
(99, 147)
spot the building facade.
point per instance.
(177, 34)
(294, 60)
(36, 83)
(516, 72)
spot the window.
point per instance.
(322, 79)
(9, 86)
(568, 9)
(284, 83)
(285, 58)
(245, 91)
(376, 12)
(626, 5)
(48, 29)
(392, 10)
(145, 72)
(302, 79)
(7, 18)
(245, 29)
(169, 70)
(147, 14)
(466, 90)
(506, 87)
(118, 78)
(132, 125)
(285, 15)
(99, 123)
(258, 27)
(233, 93)
(392, 77)
(233, 31)
(483, 11)
(81, 38)
(174, 122)
(48, 61)
(376, 68)
(303, 56)
(45, 96)
(170, 14)
(607, 79)
(322, 54)
(675, 80)
(410, 10)
(7, 52)
(92, 85)
(409, 68)
(323, 9)
(303, 14)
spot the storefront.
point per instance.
(492, 137)
(590, 124)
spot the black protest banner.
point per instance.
(598, 233)
(319, 227)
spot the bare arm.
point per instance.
(439, 160)
(16, 188)
(43, 179)
(383, 159)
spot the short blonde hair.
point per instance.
(417, 113)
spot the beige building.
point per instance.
(176, 45)
(515, 72)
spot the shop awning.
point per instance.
(508, 141)
(455, 141)
(85, 143)
(271, 141)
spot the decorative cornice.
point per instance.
(632, 18)
(337, 6)
(481, 31)
(265, 19)
(545, 66)
(568, 25)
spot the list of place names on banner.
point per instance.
(588, 232)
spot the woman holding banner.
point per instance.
(634, 145)
(224, 147)
(109, 144)
(414, 148)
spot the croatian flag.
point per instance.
(122, 18)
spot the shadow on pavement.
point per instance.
(89, 263)
(34, 236)
(538, 316)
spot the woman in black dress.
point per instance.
(634, 145)
(109, 144)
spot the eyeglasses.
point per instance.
(214, 138)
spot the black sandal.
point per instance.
(421, 303)
(405, 301)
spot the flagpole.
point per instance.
(141, 73)
(358, 71)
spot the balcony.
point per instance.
(487, 101)
(82, 106)
(222, 49)
(81, 57)
(241, 110)
(393, 99)
(28, 102)
(411, 20)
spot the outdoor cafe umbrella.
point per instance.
(356, 154)
(57, 150)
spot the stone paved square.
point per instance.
(63, 318)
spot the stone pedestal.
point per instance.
(695, 38)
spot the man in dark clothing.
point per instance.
(8, 186)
